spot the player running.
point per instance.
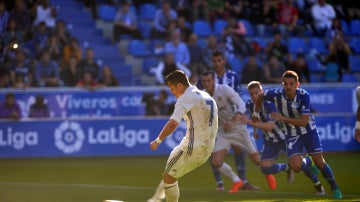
(231, 133)
(293, 104)
(274, 140)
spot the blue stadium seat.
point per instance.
(349, 78)
(345, 27)
(133, 9)
(145, 29)
(147, 64)
(248, 26)
(355, 27)
(106, 12)
(354, 44)
(202, 42)
(202, 28)
(138, 48)
(235, 64)
(354, 61)
(316, 78)
(315, 66)
(318, 44)
(297, 45)
(219, 26)
(147, 11)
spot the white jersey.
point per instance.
(200, 113)
(228, 102)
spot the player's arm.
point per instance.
(235, 99)
(168, 128)
(267, 126)
(257, 107)
(302, 120)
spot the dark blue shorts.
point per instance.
(310, 142)
(271, 150)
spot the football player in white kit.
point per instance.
(231, 131)
(200, 113)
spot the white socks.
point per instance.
(159, 192)
(226, 170)
(172, 192)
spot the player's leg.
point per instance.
(159, 194)
(269, 153)
(327, 173)
(171, 187)
(314, 148)
(240, 163)
(218, 162)
(309, 172)
(244, 145)
(268, 167)
(218, 178)
(220, 144)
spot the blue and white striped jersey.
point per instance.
(230, 78)
(292, 108)
(276, 134)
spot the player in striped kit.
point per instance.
(293, 105)
(274, 140)
(200, 113)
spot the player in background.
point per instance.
(231, 132)
(357, 124)
(273, 139)
(230, 78)
(200, 113)
(293, 104)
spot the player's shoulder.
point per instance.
(274, 91)
(301, 91)
(231, 73)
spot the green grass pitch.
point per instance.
(133, 179)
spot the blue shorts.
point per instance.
(271, 150)
(310, 142)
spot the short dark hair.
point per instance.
(218, 53)
(208, 71)
(291, 74)
(254, 84)
(177, 76)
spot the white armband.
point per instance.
(357, 125)
(256, 114)
(157, 140)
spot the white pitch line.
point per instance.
(146, 188)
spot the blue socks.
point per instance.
(306, 168)
(329, 176)
(278, 167)
(241, 165)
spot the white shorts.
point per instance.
(239, 137)
(179, 163)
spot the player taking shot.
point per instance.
(200, 113)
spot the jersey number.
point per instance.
(211, 105)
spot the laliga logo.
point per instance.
(69, 137)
